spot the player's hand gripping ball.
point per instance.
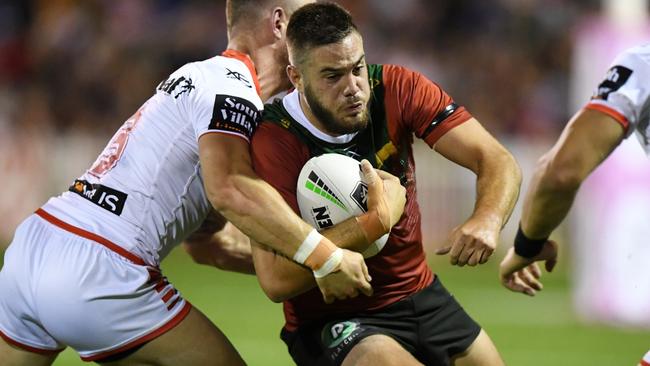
(330, 189)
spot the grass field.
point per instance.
(540, 331)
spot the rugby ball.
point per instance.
(331, 189)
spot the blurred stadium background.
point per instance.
(71, 71)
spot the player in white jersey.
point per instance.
(619, 107)
(83, 270)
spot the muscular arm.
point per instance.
(220, 244)
(585, 142)
(242, 198)
(282, 279)
(257, 209)
(497, 188)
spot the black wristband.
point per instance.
(526, 247)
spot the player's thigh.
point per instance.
(12, 356)
(481, 352)
(23, 340)
(379, 350)
(195, 341)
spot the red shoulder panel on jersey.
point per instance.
(415, 103)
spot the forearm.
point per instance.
(497, 172)
(348, 235)
(242, 207)
(279, 277)
(201, 253)
(547, 202)
(227, 249)
(247, 201)
(282, 278)
(585, 142)
(259, 211)
(497, 185)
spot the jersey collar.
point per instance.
(248, 62)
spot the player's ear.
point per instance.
(279, 21)
(294, 77)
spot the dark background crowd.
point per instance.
(72, 71)
(86, 65)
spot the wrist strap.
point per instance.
(307, 247)
(526, 247)
(371, 226)
(314, 251)
(331, 264)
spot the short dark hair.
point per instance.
(238, 10)
(318, 24)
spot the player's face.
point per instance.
(334, 86)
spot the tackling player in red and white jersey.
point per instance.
(83, 270)
(619, 108)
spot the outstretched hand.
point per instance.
(520, 274)
(472, 243)
(350, 278)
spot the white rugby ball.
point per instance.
(331, 189)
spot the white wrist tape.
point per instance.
(330, 265)
(307, 247)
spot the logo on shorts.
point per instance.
(335, 334)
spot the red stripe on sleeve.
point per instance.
(620, 118)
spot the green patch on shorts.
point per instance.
(335, 332)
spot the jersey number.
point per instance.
(115, 148)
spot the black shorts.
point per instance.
(430, 324)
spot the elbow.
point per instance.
(225, 263)
(515, 169)
(203, 253)
(275, 293)
(276, 287)
(276, 298)
(223, 196)
(196, 251)
(559, 175)
(505, 162)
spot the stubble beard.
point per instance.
(329, 120)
